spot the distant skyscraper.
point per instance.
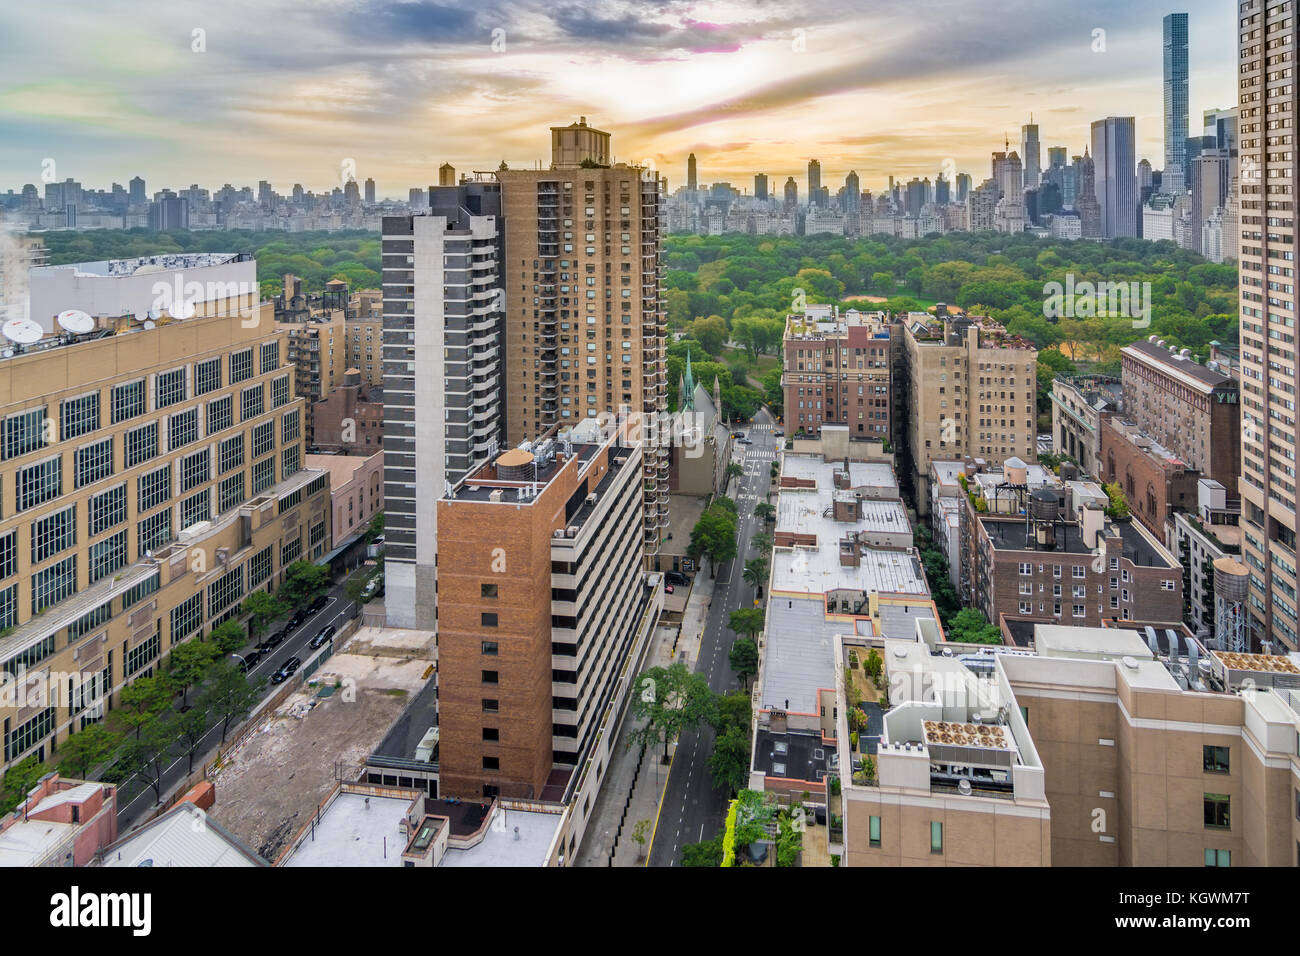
(963, 186)
(1030, 154)
(791, 194)
(169, 212)
(852, 193)
(760, 186)
(814, 180)
(1222, 125)
(137, 194)
(1085, 199)
(916, 196)
(1176, 170)
(1113, 152)
(942, 189)
(692, 174)
(1209, 186)
(370, 192)
(1057, 156)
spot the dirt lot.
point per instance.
(270, 786)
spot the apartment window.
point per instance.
(153, 488)
(1218, 857)
(1218, 811)
(186, 618)
(93, 463)
(280, 391)
(241, 366)
(1026, 569)
(491, 763)
(873, 831)
(490, 706)
(489, 677)
(488, 619)
(252, 402)
(196, 508)
(263, 475)
(153, 531)
(207, 376)
(290, 427)
(490, 648)
(936, 836)
(170, 388)
(54, 533)
(230, 492)
(1166, 585)
(39, 483)
(221, 414)
(491, 733)
(1078, 571)
(230, 454)
(139, 445)
(78, 416)
(127, 401)
(55, 583)
(195, 469)
(1215, 759)
(263, 439)
(487, 590)
(182, 428)
(107, 556)
(270, 356)
(24, 432)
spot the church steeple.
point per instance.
(686, 401)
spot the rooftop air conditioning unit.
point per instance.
(591, 498)
(571, 531)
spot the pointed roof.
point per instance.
(687, 402)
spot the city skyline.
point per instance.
(398, 89)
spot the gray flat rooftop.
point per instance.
(352, 832)
(514, 838)
(799, 658)
(862, 474)
(818, 571)
(803, 511)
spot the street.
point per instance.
(692, 809)
(136, 797)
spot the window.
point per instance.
(24, 432)
(140, 591)
(139, 445)
(221, 414)
(936, 837)
(489, 706)
(153, 531)
(186, 618)
(153, 488)
(873, 831)
(9, 607)
(291, 461)
(196, 508)
(230, 454)
(490, 648)
(29, 734)
(241, 366)
(1218, 811)
(491, 763)
(107, 556)
(8, 554)
(195, 469)
(207, 376)
(491, 733)
(139, 657)
(230, 492)
(127, 401)
(170, 388)
(489, 677)
(1215, 759)
(78, 416)
(225, 591)
(270, 357)
(290, 552)
(280, 391)
(183, 428)
(488, 619)
(263, 475)
(263, 439)
(291, 427)
(1218, 858)
(259, 567)
(39, 483)
(252, 402)
(54, 533)
(94, 462)
(488, 590)
(55, 583)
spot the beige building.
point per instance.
(356, 491)
(1098, 748)
(149, 479)
(585, 313)
(972, 391)
(1267, 51)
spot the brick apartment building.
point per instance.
(838, 371)
(1156, 482)
(350, 418)
(1191, 409)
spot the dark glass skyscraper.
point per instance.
(1176, 107)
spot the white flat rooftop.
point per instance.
(862, 474)
(23, 844)
(818, 570)
(514, 838)
(804, 512)
(352, 832)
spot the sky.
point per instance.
(304, 91)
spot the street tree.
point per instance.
(191, 728)
(263, 608)
(744, 659)
(148, 754)
(188, 663)
(729, 762)
(669, 700)
(747, 621)
(86, 749)
(303, 582)
(756, 573)
(228, 695)
(228, 636)
(144, 699)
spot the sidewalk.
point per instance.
(634, 785)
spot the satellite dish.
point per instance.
(148, 324)
(22, 331)
(155, 313)
(140, 315)
(183, 309)
(75, 321)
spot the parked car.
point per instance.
(668, 589)
(289, 668)
(737, 434)
(778, 434)
(325, 634)
(275, 640)
(745, 441)
(248, 661)
(372, 587)
(676, 577)
(317, 604)
(296, 621)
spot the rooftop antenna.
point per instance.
(75, 322)
(22, 332)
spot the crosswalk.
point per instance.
(758, 454)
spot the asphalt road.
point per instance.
(692, 809)
(135, 802)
